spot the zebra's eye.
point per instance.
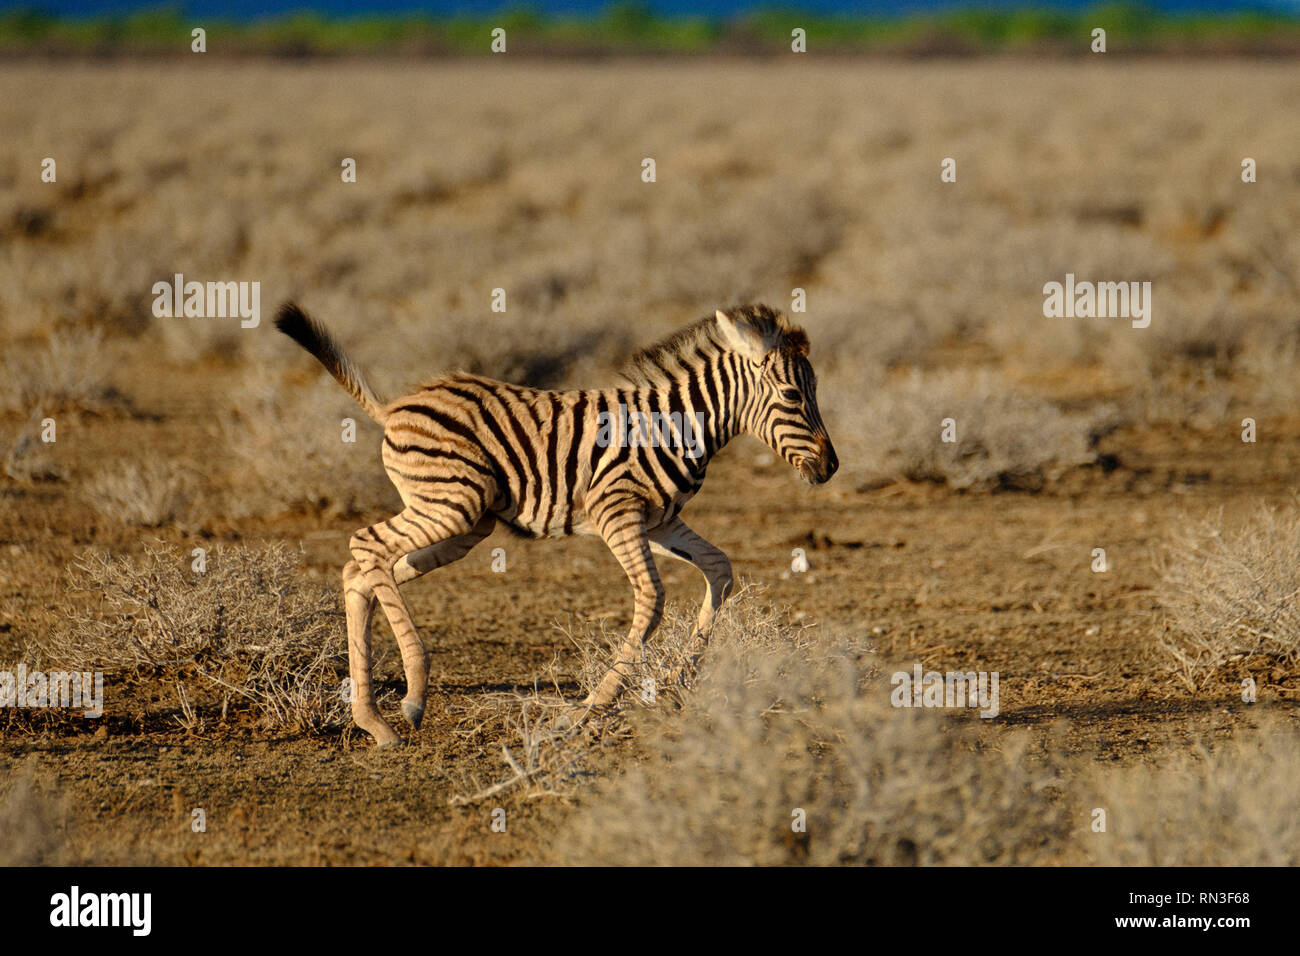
(791, 395)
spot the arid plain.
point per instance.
(1124, 689)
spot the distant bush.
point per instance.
(70, 372)
(288, 444)
(1001, 437)
(634, 26)
(147, 494)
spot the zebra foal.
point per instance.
(466, 453)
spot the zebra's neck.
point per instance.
(709, 400)
(718, 392)
(733, 412)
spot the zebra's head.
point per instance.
(784, 413)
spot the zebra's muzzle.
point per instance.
(818, 471)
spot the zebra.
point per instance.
(467, 453)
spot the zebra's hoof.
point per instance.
(387, 740)
(413, 712)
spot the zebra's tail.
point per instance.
(314, 337)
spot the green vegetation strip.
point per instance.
(630, 27)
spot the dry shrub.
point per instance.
(147, 494)
(1003, 438)
(1233, 597)
(1235, 805)
(781, 718)
(248, 633)
(70, 372)
(544, 754)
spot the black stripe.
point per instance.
(494, 427)
(552, 464)
(527, 449)
(571, 460)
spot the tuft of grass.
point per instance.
(247, 634)
(1233, 598)
(70, 372)
(544, 754)
(146, 495)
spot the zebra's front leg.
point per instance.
(622, 526)
(676, 539)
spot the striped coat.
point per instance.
(466, 453)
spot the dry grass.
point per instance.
(543, 753)
(1237, 804)
(784, 719)
(1233, 596)
(248, 634)
(30, 459)
(777, 718)
(780, 717)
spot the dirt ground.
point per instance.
(998, 580)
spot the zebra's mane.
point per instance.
(647, 367)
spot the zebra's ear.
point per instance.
(741, 336)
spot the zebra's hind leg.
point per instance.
(423, 537)
(359, 601)
(417, 563)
